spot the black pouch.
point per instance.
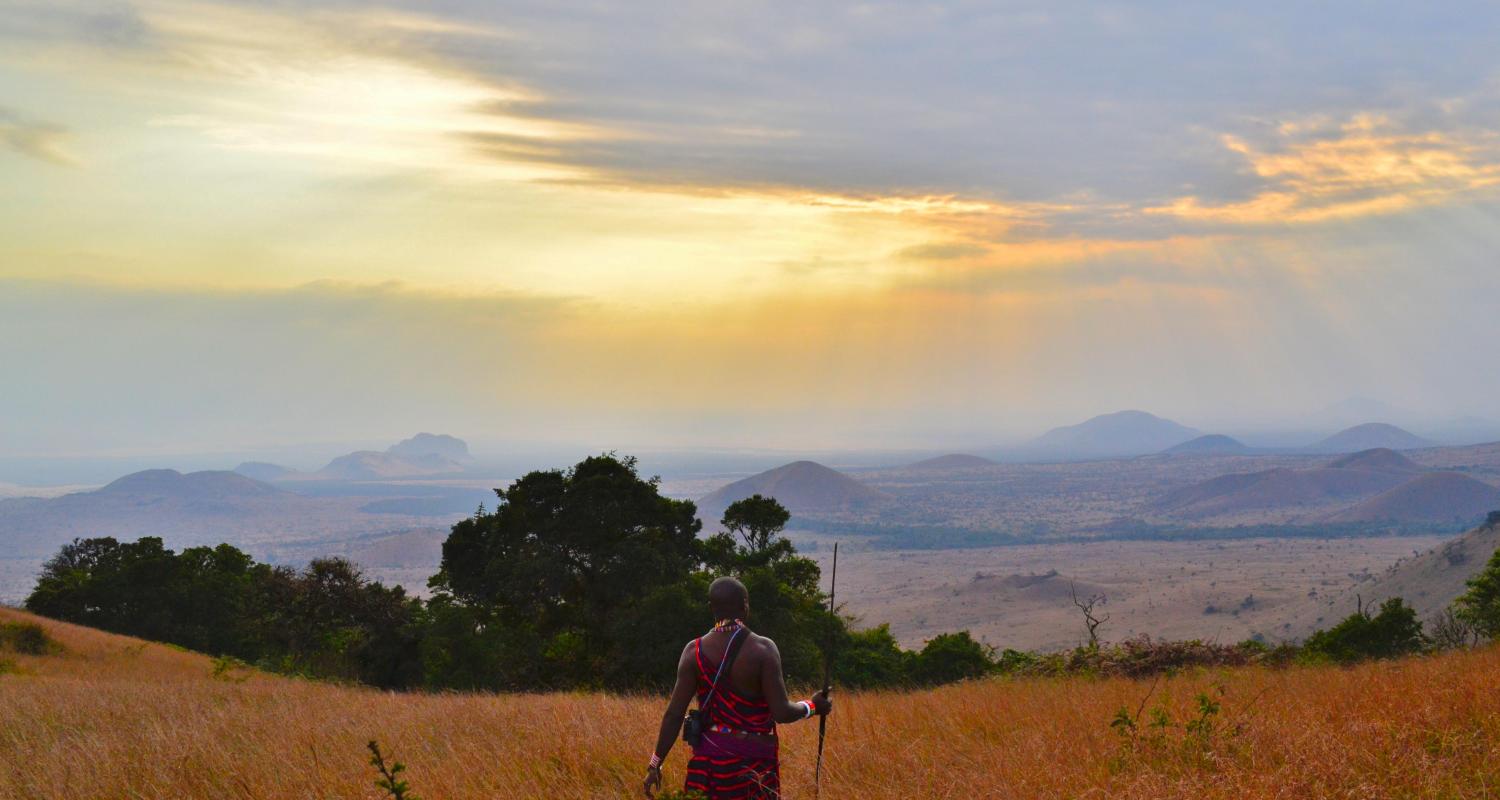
(692, 728)
(695, 719)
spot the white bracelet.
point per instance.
(807, 708)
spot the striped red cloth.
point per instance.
(726, 767)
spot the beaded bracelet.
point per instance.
(655, 762)
(808, 705)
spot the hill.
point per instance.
(801, 486)
(370, 465)
(185, 509)
(1284, 489)
(1429, 583)
(952, 461)
(160, 722)
(1123, 433)
(1368, 436)
(1379, 459)
(193, 487)
(1213, 444)
(424, 445)
(263, 471)
(1435, 497)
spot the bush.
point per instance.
(952, 657)
(1394, 631)
(27, 638)
(870, 658)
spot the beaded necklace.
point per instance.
(728, 624)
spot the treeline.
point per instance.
(579, 578)
(589, 578)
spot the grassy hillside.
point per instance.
(114, 717)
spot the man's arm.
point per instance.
(671, 721)
(773, 688)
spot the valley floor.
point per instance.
(113, 717)
(1224, 591)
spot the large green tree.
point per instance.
(566, 565)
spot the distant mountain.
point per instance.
(263, 471)
(369, 465)
(1370, 435)
(1429, 583)
(1213, 444)
(1123, 433)
(1435, 497)
(424, 445)
(194, 486)
(1378, 459)
(801, 486)
(1274, 489)
(952, 461)
(1352, 477)
(158, 502)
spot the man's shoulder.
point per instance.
(763, 644)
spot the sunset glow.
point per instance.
(738, 223)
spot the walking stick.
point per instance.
(833, 586)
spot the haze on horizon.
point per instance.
(243, 224)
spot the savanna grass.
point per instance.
(110, 717)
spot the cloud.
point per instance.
(45, 141)
(941, 251)
(1367, 166)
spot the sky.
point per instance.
(776, 224)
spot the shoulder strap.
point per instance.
(735, 641)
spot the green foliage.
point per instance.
(952, 657)
(390, 777)
(1479, 606)
(1393, 631)
(229, 669)
(1167, 744)
(325, 621)
(588, 577)
(27, 638)
(870, 658)
(757, 520)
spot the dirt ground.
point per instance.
(1021, 596)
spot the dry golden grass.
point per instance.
(112, 718)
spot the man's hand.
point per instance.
(653, 781)
(822, 703)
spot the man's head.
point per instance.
(728, 599)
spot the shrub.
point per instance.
(27, 638)
(1393, 631)
(952, 657)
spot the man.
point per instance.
(736, 759)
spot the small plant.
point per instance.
(27, 638)
(1202, 738)
(231, 669)
(390, 777)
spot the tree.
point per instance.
(1393, 631)
(757, 520)
(1480, 604)
(1091, 620)
(567, 560)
